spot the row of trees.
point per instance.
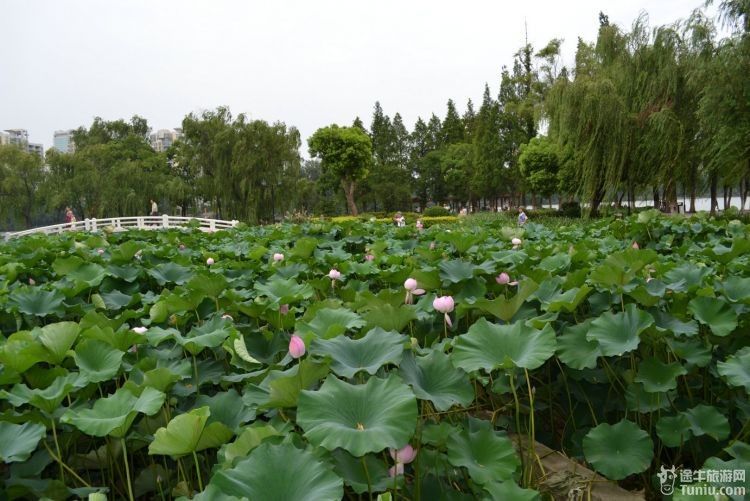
(641, 111)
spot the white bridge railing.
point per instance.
(126, 223)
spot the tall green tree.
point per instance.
(21, 176)
(452, 127)
(346, 154)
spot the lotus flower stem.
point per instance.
(57, 446)
(61, 463)
(197, 384)
(127, 469)
(367, 476)
(518, 416)
(198, 471)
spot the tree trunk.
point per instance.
(714, 192)
(743, 192)
(349, 193)
(657, 200)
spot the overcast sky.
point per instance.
(307, 63)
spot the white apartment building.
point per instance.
(63, 141)
(162, 139)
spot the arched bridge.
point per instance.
(127, 223)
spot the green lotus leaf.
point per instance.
(574, 350)
(250, 438)
(114, 414)
(125, 252)
(97, 360)
(618, 333)
(207, 285)
(284, 391)
(638, 399)
(435, 379)
(715, 313)
(568, 300)
(22, 350)
(284, 291)
(673, 430)
(500, 491)
(687, 274)
(490, 346)
(47, 399)
(736, 368)
(226, 407)
(736, 289)
(280, 473)
(354, 474)
(349, 356)
(618, 450)
(330, 322)
(456, 271)
(170, 273)
(58, 338)
(36, 301)
(126, 273)
(556, 263)
(209, 335)
(161, 378)
(359, 418)
(18, 441)
(78, 269)
(666, 322)
(694, 351)
(188, 433)
(115, 300)
(304, 247)
(389, 317)
(486, 455)
(505, 309)
(707, 420)
(657, 376)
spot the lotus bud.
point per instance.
(432, 245)
(410, 284)
(32, 281)
(210, 261)
(369, 257)
(635, 245)
(443, 304)
(100, 251)
(516, 241)
(278, 257)
(334, 274)
(182, 247)
(296, 346)
(503, 278)
(284, 309)
(405, 455)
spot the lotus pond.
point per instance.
(362, 361)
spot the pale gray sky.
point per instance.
(307, 63)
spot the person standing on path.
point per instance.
(154, 208)
(522, 218)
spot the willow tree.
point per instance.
(590, 114)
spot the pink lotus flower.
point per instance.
(411, 290)
(445, 305)
(369, 257)
(100, 251)
(296, 346)
(284, 309)
(420, 226)
(635, 245)
(278, 257)
(210, 261)
(139, 330)
(396, 470)
(32, 281)
(334, 275)
(504, 279)
(405, 455)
